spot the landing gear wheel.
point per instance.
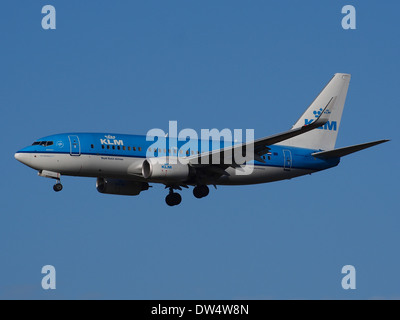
(177, 198)
(169, 200)
(57, 187)
(201, 191)
(173, 199)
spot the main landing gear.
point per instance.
(173, 198)
(201, 191)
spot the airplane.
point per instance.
(122, 165)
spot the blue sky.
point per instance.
(131, 66)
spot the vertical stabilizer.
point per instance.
(323, 138)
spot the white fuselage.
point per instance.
(130, 168)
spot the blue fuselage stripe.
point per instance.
(96, 144)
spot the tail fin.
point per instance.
(323, 138)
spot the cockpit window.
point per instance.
(43, 143)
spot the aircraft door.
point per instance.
(75, 145)
(287, 160)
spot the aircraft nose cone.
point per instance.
(17, 156)
(21, 157)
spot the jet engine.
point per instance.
(121, 187)
(161, 169)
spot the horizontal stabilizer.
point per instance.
(341, 152)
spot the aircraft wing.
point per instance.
(226, 155)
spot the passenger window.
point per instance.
(134, 148)
(113, 147)
(92, 146)
(140, 149)
(149, 149)
(269, 157)
(119, 148)
(192, 152)
(129, 148)
(123, 148)
(180, 151)
(187, 153)
(102, 146)
(108, 147)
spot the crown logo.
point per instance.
(318, 113)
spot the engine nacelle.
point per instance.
(161, 169)
(121, 187)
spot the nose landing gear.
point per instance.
(58, 186)
(52, 175)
